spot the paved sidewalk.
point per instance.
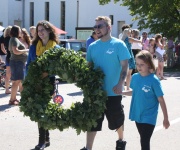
(20, 133)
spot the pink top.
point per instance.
(145, 44)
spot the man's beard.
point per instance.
(103, 35)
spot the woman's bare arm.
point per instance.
(17, 51)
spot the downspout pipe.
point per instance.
(23, 13)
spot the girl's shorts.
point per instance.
(159, 57)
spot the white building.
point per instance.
(65, 14)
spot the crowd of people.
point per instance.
(163, 49)
(127, 61)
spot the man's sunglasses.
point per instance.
(100, 26)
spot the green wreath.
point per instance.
(72, 67)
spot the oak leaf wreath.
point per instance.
(72, 67)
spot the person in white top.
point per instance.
(151, 47)
(159, 51)
(145, 40)
(124, 26)
(136, 47)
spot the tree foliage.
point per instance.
(160, 16)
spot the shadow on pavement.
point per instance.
(75, 93)
(4, 95)
(172, 74)
(4, 107)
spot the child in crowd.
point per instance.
(146, 94)
(151, 46)
(159, 51)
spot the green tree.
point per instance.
(160, 16)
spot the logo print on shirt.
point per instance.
(110, 51)
(146, 88)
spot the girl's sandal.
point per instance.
(13, 102)
(163, 78)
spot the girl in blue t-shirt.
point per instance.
(147, 94)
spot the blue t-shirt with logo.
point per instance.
(144, 103)
(108, 55)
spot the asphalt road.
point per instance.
(18, 132)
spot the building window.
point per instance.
(31, 13)
(62, 20)
(120, 24)
(47, 11)
(112, 19)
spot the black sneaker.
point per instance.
(120, 145)
(84, 148)
(40, 147)
(47, 143)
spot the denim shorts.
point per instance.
(17, 70)
(114, 113)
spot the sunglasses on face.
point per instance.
(100, 26)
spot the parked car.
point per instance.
(77, 45)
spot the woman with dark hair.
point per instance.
(26, 40)
(17, 62)
(45, 38)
